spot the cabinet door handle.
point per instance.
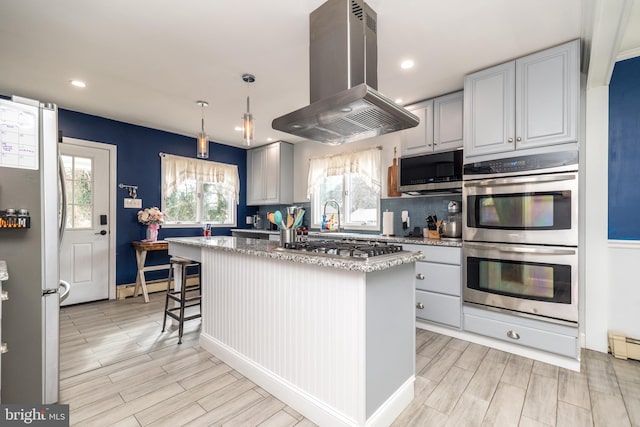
(4, 296)
(4, 348)
(420, 276)
(419, 306)
(513, 335)
(518, 139)
(510, 140)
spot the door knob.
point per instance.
(102, 232)
(420, 306)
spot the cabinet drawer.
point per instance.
(518, 334)
(443, 278)
(435, 253)
(438, 308)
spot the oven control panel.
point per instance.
(558, 161)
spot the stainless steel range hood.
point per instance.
(343, 59)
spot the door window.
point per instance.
(78, 173)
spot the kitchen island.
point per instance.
(332, 337)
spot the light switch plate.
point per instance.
(133, 203)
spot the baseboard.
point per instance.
(125, 291)
(531, 353)
(622, 347)
(393, 407)
(304, 403)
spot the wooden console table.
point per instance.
(141, 249)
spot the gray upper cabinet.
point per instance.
(270, 174)
(440, 127)
(530, 102)
(447, 122)
(419, 139)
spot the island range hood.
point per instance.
(343, 58)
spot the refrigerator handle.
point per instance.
(63, 207)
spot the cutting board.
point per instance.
(392, 177)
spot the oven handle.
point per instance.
(523, 250)
(520, 180)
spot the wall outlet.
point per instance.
(133, 203)
(248, 219)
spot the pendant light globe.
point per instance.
(202, 147)
(247, 118)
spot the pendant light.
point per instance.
(203, 139)
(247, 120)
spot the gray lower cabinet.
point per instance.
(437, 284)
(541, 335)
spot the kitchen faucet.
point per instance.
(324, 210)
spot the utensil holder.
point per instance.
(287, 235)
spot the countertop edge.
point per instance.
(377, 237)
(267, 249)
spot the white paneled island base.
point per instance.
(336, 344)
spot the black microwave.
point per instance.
(431, 172)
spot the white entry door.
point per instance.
(84, 252)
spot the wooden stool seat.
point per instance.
(180, 296)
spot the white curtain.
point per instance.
(177, 169)
(366, 163)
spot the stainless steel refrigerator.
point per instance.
(31, 315)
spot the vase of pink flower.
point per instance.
(152, 218)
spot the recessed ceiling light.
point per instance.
(398, 100)
(238, 128)
(406, 64)
(78, 83)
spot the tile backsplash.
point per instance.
(417, 206)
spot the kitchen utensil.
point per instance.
(431, 222)
(299, 216)
(451, 229)
(290, 221)
(277, 219)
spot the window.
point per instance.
(78, 175)
(353, 181)
(196, 192)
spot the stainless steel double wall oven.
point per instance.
(520, 231)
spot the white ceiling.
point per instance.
(147, 62)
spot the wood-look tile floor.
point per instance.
(119, 369)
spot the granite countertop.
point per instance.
(270, 249)
(4, 273)
(456, 243)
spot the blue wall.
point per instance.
(138, 163)
(624, 151)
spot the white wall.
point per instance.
(611, 281)
(594, 271)
(624, 288)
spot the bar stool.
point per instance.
(181, 296)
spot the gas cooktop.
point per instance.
(344, 249)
